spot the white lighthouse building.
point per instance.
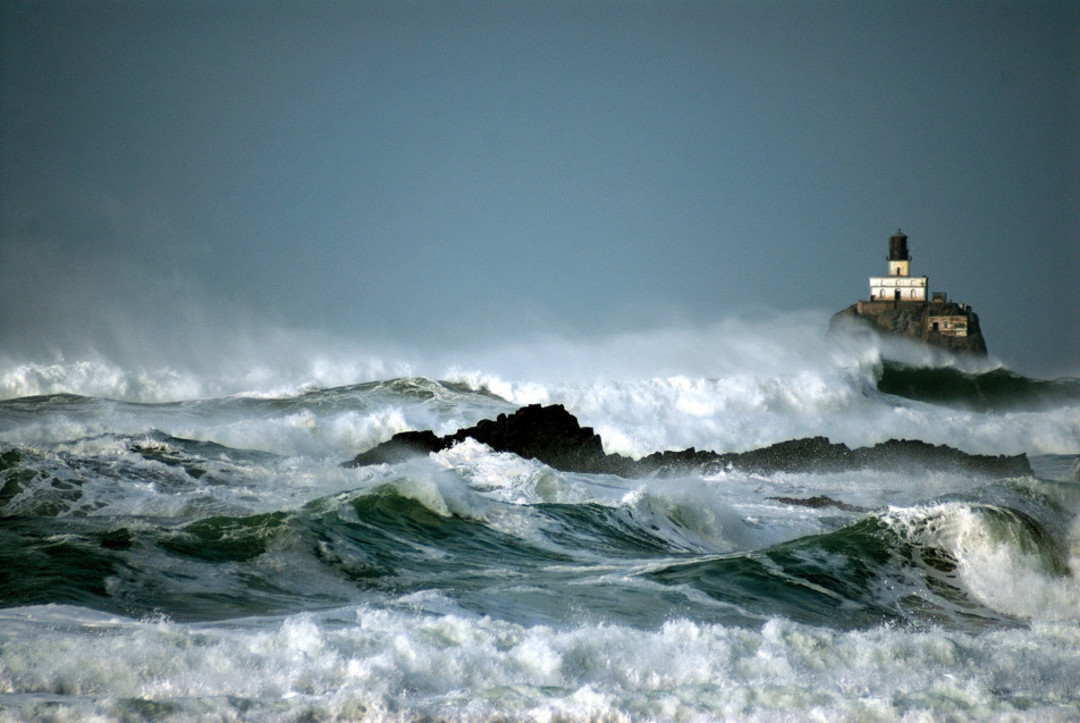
(901, 305)
(899, 285)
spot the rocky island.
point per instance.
(899, 306)
(553, 436)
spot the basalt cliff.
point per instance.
(937, 323)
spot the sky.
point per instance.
(175, 174)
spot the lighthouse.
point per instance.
(899, 285)
(900, 305)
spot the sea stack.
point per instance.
(899, 306)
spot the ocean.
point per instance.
(186, 545)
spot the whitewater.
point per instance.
(182, 542)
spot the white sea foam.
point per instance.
(386, 664)
(108, 476)
(999, 560)
(638, 417)
(509, 478)
(733, 385)
(283, 368)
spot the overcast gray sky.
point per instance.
(446, 173)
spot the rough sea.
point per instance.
(179, 545)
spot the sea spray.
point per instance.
(209, 557)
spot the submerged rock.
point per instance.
(553, 436)
(400, 447)
(819, 502)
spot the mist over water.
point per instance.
(206, 353)
(739, 383)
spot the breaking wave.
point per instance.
(994, 390)
(183, 546)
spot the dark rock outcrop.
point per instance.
(553, 436)
(549, 434)
(915, 320)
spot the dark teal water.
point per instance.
(994, 390)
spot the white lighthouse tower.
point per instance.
(899, 285)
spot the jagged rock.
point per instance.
(549, 434)
(553, 436)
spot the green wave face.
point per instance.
(638, 562)
(995, 390)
